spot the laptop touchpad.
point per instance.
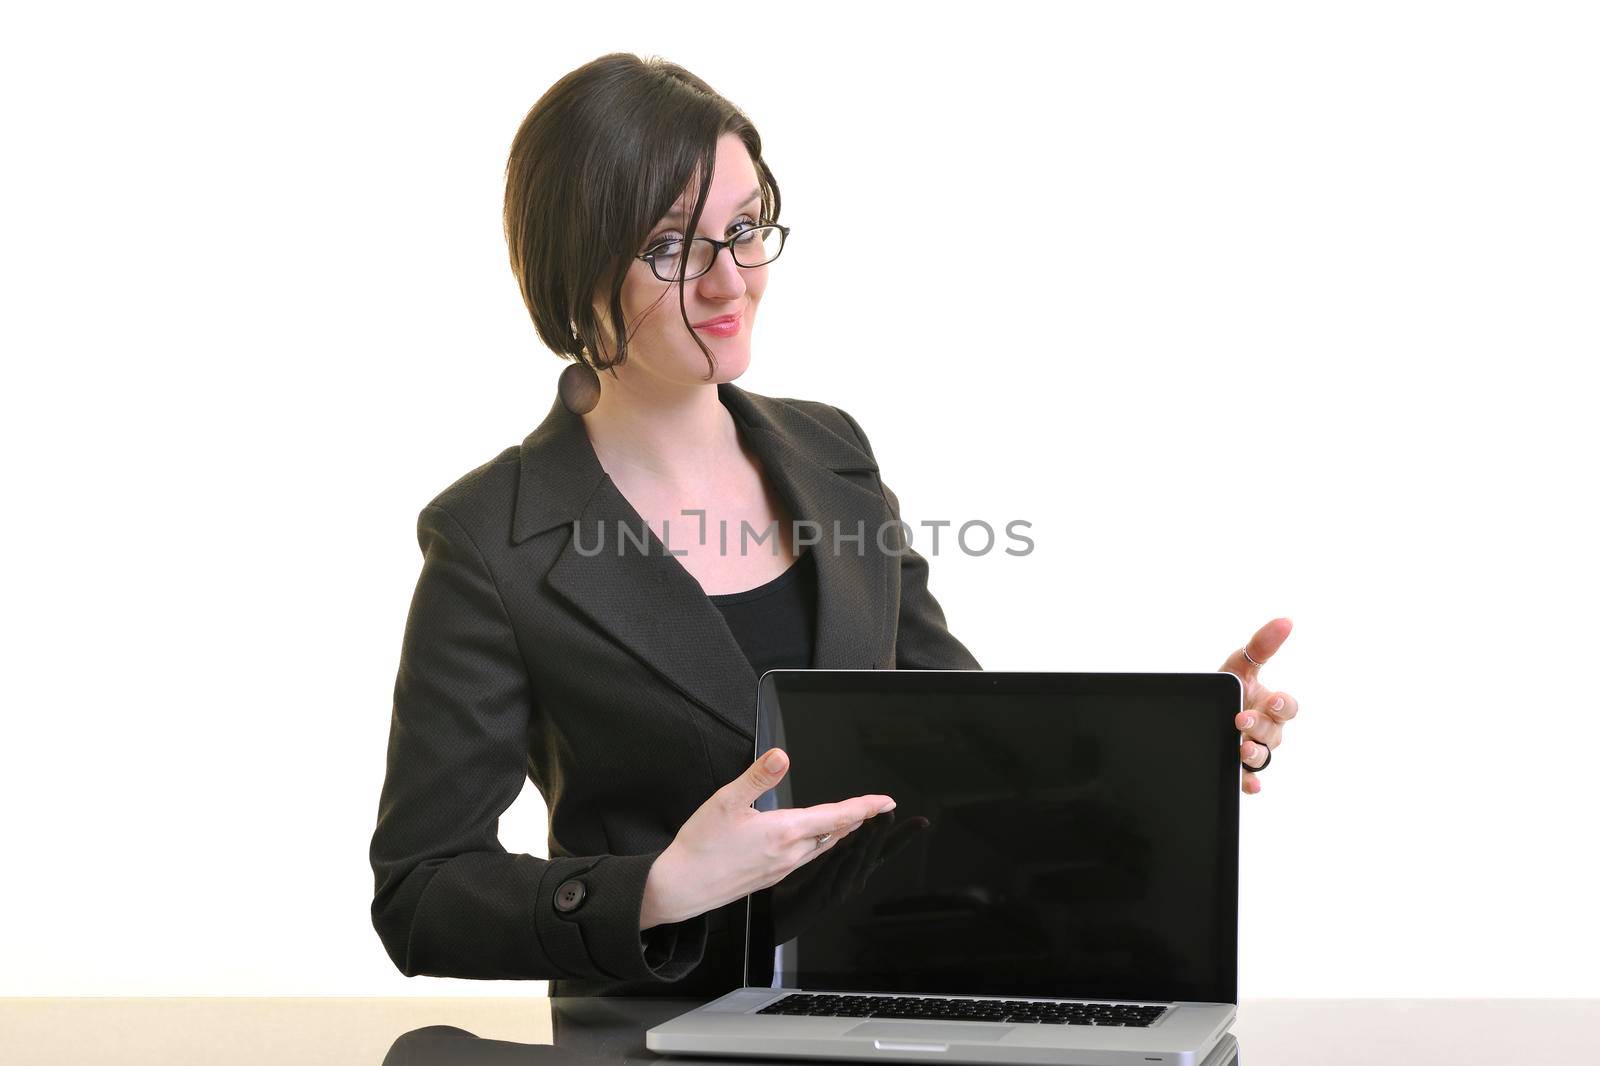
(929, 1032)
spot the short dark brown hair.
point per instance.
(598, 160)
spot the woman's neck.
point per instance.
(677, 438)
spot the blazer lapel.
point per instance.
(646, 600)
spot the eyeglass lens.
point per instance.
(753, 247)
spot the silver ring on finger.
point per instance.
(1246, 651)
(824, 838)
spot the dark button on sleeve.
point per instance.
(570, 895)
(601, 938)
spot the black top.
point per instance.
(776, 623)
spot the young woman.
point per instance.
(597, 603)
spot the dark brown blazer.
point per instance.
(613, 682)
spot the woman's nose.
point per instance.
(724, 280)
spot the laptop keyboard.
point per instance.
(1043, 1012)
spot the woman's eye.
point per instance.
(672, 238)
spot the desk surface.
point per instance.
(596, 1031)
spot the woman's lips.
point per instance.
(723, 327)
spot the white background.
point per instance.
(1252, 310)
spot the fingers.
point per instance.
(1280, 705)
(1251, 784)
(838, 817)
(836, 835)
(1253, 754)
(805, 847)
(1262, 645)
(1260, 727)
(761, 777)
(1261, 733)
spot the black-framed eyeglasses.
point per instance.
(753, 247)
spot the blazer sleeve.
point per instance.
(923, 641)
(449, 900)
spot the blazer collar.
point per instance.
(655, 607)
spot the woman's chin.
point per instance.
(731, 363)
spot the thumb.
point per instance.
(764, 773)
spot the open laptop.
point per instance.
(1057, 883)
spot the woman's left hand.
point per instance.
(1265, 710)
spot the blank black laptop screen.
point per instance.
(1055, 834)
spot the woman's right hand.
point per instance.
(727, 849)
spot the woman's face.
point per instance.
(660, 345)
